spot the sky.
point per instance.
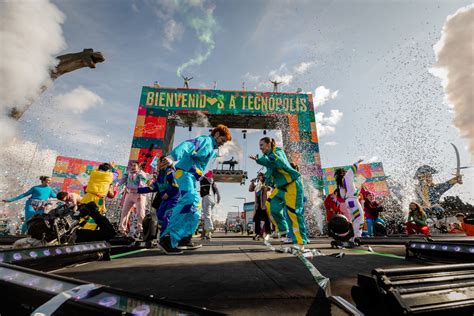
(367, 63)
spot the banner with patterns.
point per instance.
(372, 172)
(69, 174)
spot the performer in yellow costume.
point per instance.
(96, 191)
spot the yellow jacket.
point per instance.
(99, 183)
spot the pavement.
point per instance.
(238, 276)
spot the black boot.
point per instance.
(187, 244)
(165, 245)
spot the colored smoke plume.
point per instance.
(204, 24)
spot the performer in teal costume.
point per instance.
(41, 192)
(190, 159)
(288, 193)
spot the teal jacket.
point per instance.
(193, 155)
(279, 170)
(39, 192)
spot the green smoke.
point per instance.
(205, 28)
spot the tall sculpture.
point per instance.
(67, 63)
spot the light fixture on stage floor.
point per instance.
(445, 251)
(25, 290)
(53, 257)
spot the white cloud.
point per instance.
(173, 32)
(77, 101)
(322, 95)
(303, 67)
(250, 81)
(373, 159)
(282, 74)
(332, 143)
(30, 37)
(231, 149)
(326, 125)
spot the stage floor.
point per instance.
(234, 274)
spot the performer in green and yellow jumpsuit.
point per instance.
(288, 190)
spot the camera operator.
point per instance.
(61, 225)
(70, 198)
(104, 231)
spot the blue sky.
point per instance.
(375, 54)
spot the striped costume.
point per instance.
(288, 192)
(351, 195)
(191, 156)
(165, 184)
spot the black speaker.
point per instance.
(432, 290)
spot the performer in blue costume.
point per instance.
(190, 158)
(288, 193)
(168, 189)
(41, 192)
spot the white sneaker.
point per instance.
(286, 240)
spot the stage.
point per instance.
(235, 275)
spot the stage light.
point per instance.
(56, 256)
(54, 288)
(445, 251)
(141, 310)
(10, 276)
(24, 290)
(108, 301)
(31, 281)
